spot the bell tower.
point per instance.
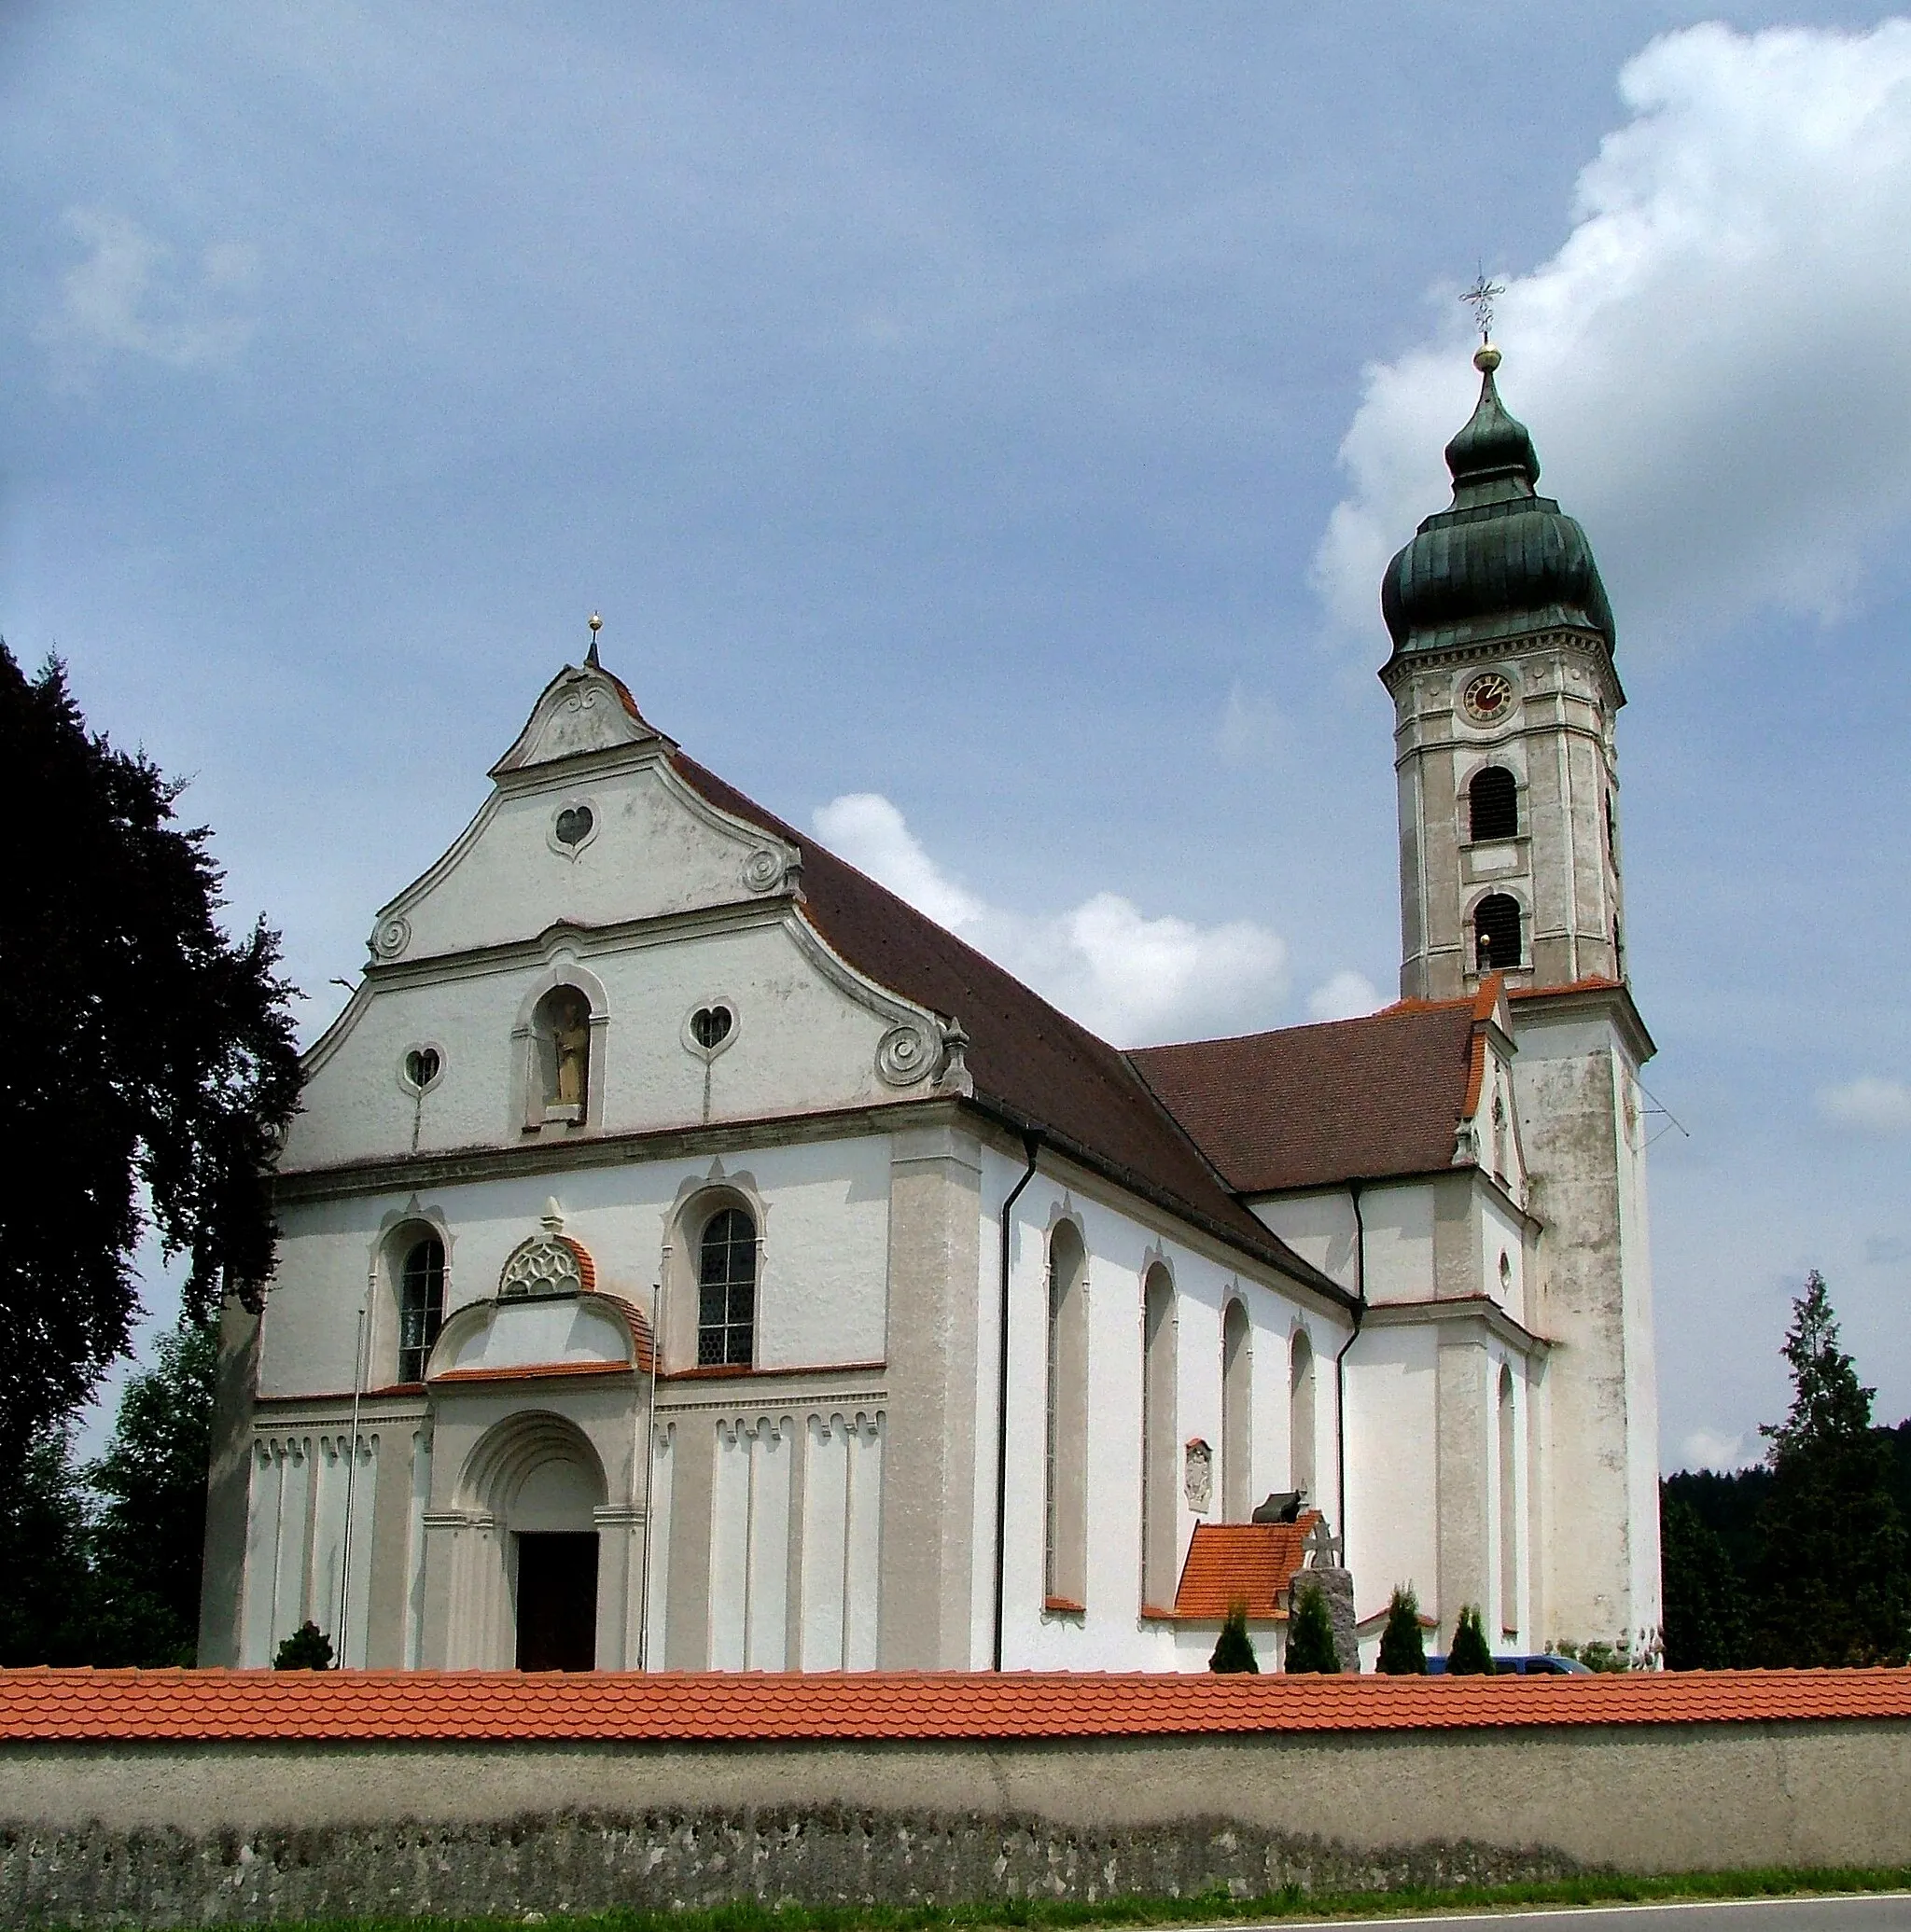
(1504, 698)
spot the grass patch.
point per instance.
(1201, 1909)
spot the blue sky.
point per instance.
(981, 427)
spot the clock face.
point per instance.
(1488, 699)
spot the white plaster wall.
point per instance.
(1120, 1246)
(1393, 1514)
(1320, 1226)
(656, 849)
(1502, 1232)
(821, 1293)
(295, 1539)
(802, 1044)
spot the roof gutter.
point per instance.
(1031, 1146)
(1340, 1360)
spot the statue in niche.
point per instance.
(568, 1066)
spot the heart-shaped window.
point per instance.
(710, 1027)
(421, 1066)
(574, 824)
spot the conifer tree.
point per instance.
(1403, 1644)
(307, 1648)
(1472, 1656)
(1234, 1651)
(1310, 1635)
(1831, 1588)
(1704, 1617)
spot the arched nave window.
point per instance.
(1158, 1579)
(1065, 1555)
(420, 1306)
(727, 1291)
(1236, 1414)
(1301, 1429)
(1509, 1507)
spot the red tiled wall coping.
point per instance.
(48, 1705)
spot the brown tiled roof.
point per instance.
(1241, 1563)
(1034, 1062)
(324, 1706)
(1308, 1106)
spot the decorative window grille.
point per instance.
(1496, 933)
(1493, 803)
(420, 1306)
(727, 1291)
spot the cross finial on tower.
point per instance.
(597, 624)
(1481, 296)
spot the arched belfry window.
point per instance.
(1493, 804)
(727, 1291)
(1496, 933)
(420, 1306)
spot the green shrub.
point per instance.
(1471, 1656)
(307, 1648)
(1403, 1645)
(1233, 1652)
(1310, 1635)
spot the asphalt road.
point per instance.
(1883, 1911)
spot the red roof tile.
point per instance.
(332, 1705)
(1311, 1107)
(1035, 1063)
(1240, 1563)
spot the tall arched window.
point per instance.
(1237, 1415)
(1300, 1431)
(420, 1306)
(1493, 803)
(1065, 1554)
(727, 1291)
(1509, 1507)
(1496, 933)
(1158, 1518)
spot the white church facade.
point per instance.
(693, 1258)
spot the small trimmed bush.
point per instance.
(1234, 1650)
(1402, 1644)
(1470, 1655)
(1310, 1635)
(307, 1648)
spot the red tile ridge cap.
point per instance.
(666, 1707)
(533, 1372)
(738, 1372)
(1593, 982)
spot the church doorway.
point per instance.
(557, 1600)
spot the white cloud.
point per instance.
(1868, 1105)
(1712, 1449)
(1714, 365)
(127, 297)
(1131, 979)
(1346, 995)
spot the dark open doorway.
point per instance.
(557, 1601)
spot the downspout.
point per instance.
(351, 1473)
(1340, 1373)
(1031, 1144)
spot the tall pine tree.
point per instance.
(1706, 1626)
(1832, 1587)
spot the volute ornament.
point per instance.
(904, 1055)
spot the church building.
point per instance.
(693, 1258)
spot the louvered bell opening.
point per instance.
(1493, 807)
(1496, 934)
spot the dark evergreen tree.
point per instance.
(307, 1648)
(1402, 1644)
(1472, 1656)
(150, 1526)
(1831, 1582)
(1234, 1650)
(143, 1056)
(1705, 1620)
(1310, 1635)
(46, 1584)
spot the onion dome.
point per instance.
(1501, 560)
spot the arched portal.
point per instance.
(540, 1481)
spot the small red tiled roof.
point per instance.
(1240, 1563)
(1312, 1106)
(336, 1705)
(1035, 1063)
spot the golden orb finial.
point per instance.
(1486, 359)
(595, 622)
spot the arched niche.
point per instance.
(558, 1047)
